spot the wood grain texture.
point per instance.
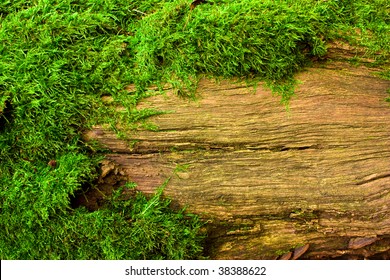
(271, 180)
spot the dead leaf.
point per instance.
(298, 252)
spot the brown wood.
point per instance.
(270, 180)
(298, 252)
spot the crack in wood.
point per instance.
(373, 178)
(201, 146)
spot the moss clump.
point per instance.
(268, 40)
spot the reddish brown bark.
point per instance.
(271, 180)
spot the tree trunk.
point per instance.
(270, 180)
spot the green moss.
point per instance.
(59, 58)
(123, 229)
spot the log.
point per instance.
(314, 179)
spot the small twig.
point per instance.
(135, 10)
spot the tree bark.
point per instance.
(270, 180)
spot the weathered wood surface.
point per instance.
(271, 180)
